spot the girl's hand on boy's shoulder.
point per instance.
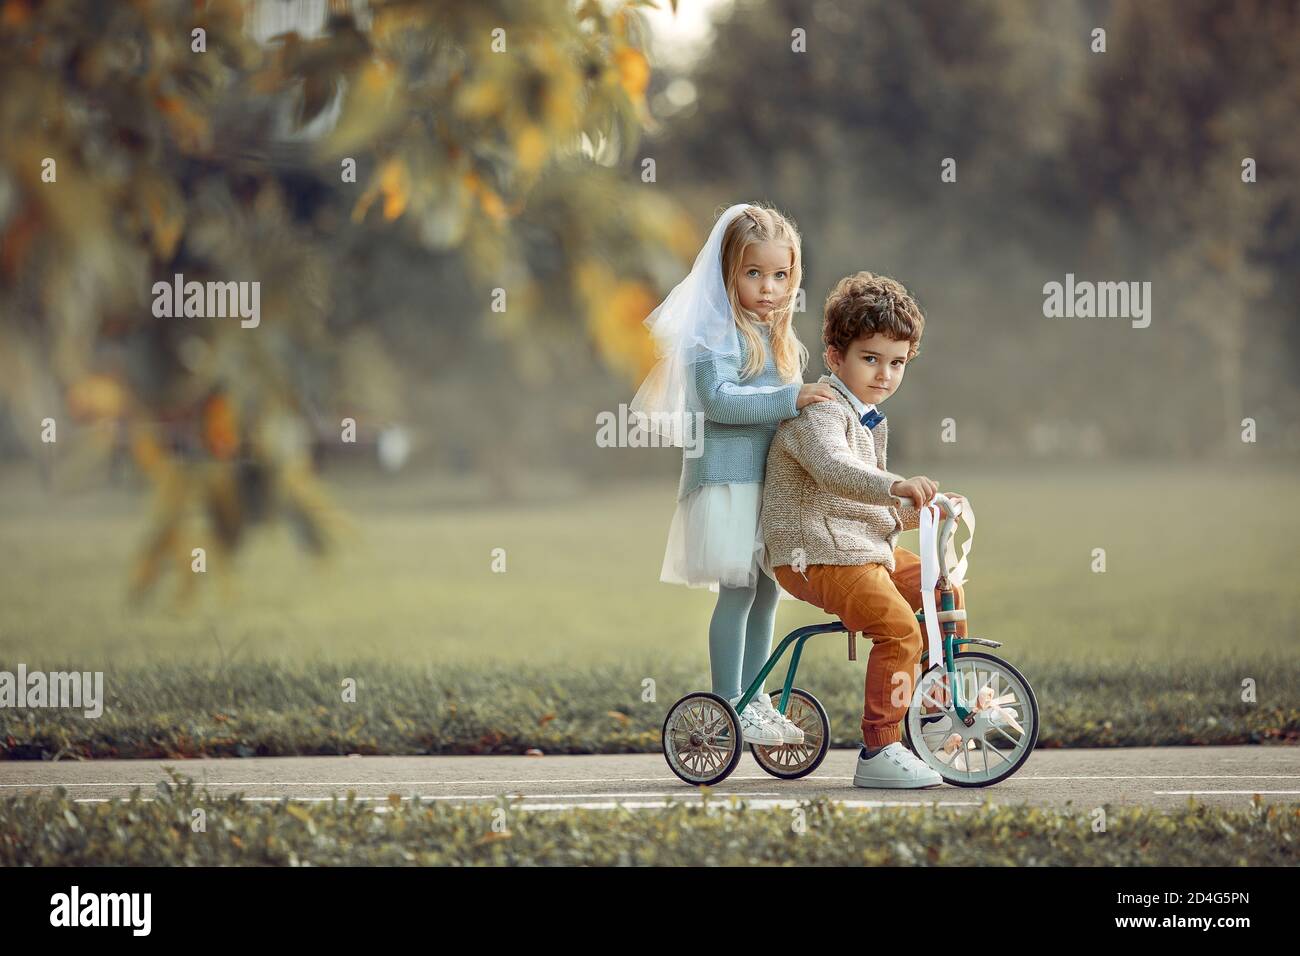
(814, 392)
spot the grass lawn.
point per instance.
(1197, 563)
(454, 657)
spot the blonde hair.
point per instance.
(764, 224)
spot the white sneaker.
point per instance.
(790, 733)
(755, 728)
(895, 768)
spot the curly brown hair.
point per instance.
(863, 304)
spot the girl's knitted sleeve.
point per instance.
(724, 400)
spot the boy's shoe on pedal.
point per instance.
(790, 733)
(755, 728)
(894, 767)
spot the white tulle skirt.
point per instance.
(715, 538)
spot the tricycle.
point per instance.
(973, 717)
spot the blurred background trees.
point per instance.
(428, 194)
(1123, 165)
(475, 296)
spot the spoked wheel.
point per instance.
(791, 761)
(1005, 727)
(701, 739)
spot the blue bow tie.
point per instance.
(872, 418)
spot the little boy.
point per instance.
(831, 513)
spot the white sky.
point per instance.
(676, 39)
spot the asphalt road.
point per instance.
(1160, 777)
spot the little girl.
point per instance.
(730, 362)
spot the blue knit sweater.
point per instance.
(739, 419)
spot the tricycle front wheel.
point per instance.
(1003, 731)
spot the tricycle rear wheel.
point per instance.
(792, 761)
(701, 739)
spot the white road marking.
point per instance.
(1177, 793)
(603, 801)
(390, 783)
(1177, 776)
(750, 804)
(687, 794)
(517, 796)
(675, 800)
(659, 779)
(716, 799)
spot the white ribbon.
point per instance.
(930, 522)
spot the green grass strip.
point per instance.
(263, 708)
(185, 826)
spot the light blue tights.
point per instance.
(740, 634)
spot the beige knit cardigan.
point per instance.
(826, 496)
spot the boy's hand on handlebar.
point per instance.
(814, 392)
(920, 489)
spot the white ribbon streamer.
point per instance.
(931, 517)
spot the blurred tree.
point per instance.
(215, 140)
(849, 137)
(1186, 93)
(883, 92)
(1122, 165)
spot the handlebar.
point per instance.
(947, 528)
(943, 501)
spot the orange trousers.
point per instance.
(867, 598)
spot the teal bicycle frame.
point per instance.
(798, 638)
(801, 635)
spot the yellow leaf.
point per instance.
(633, 71)
(191, 129)
(395, 185)
(376, 77)
(363, 204)
(96, 397)
(617, 323)
(166, 224)
(481, 99)
(390, 21)
(15, 13)
(220, 427)
(148, 453)
(530, 148)
(488, 200)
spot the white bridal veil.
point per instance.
(693, 320)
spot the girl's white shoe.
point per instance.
(790, 733)
(755, 727)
